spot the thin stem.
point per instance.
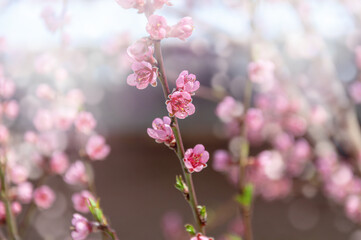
(180, 147)
(106, 230)
(243, 164)
(10, 220)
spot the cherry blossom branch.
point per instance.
(245, 208)
(180, 147)
(10, 220)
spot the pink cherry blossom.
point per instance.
(11, 109)
(199, 236)
(183, 29)
(85, 122)
(158, 4)
(283, 141)
(144, 74)
(137, 4)
(261, 71)
(75, 97)
(222, 160)
(271, 164)
(4, 134)
(44, 91)
(157, 27)
(2, 211)
(352, 207)
(63, 118)
(187, 82)
(76, 174)
(80, 201)
(81, 227)
(141, 50)
(44, 197)
(195, 159)
(96, 148)
(30, 137)
(254, 119)
(16, 208)
(355, 91)
(59, 162)
(7, 88)
(180, 104)
(297, 125)
(24, 192)
(162, 131)
(43, 120)
(18, 174)
(229, 109)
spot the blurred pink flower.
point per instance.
(187, 82)
(180, 104)
(44, 91)
(7, 88)
(144, 74)
(297, 125)
(271, 164)
(229, 109)
(24, 192)
(43, 120)
(222, 160)
(76, 174)
(162, 131)
(63, 118)
(353, 207)
(75, 97)
(30, 137)
(183, 29)
(195, 159)
(158, 4)
(355, 91)
(44, 197)
(80, 201)
(18, 174)
(283, 141)
(16, 208)
(157, 27)
(254, 119)
(85, 122)
(96, 148)
(82, 227)
(261, 71)
(141, 50)
(4, 134)
(11, 109)
(59, 162)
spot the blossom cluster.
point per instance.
(147, 70)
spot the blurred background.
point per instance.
(312, 42)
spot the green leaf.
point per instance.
(179, 183)
(203, 213)
(190, 229)
(96, 211)
(245, 199)
(91, 205)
